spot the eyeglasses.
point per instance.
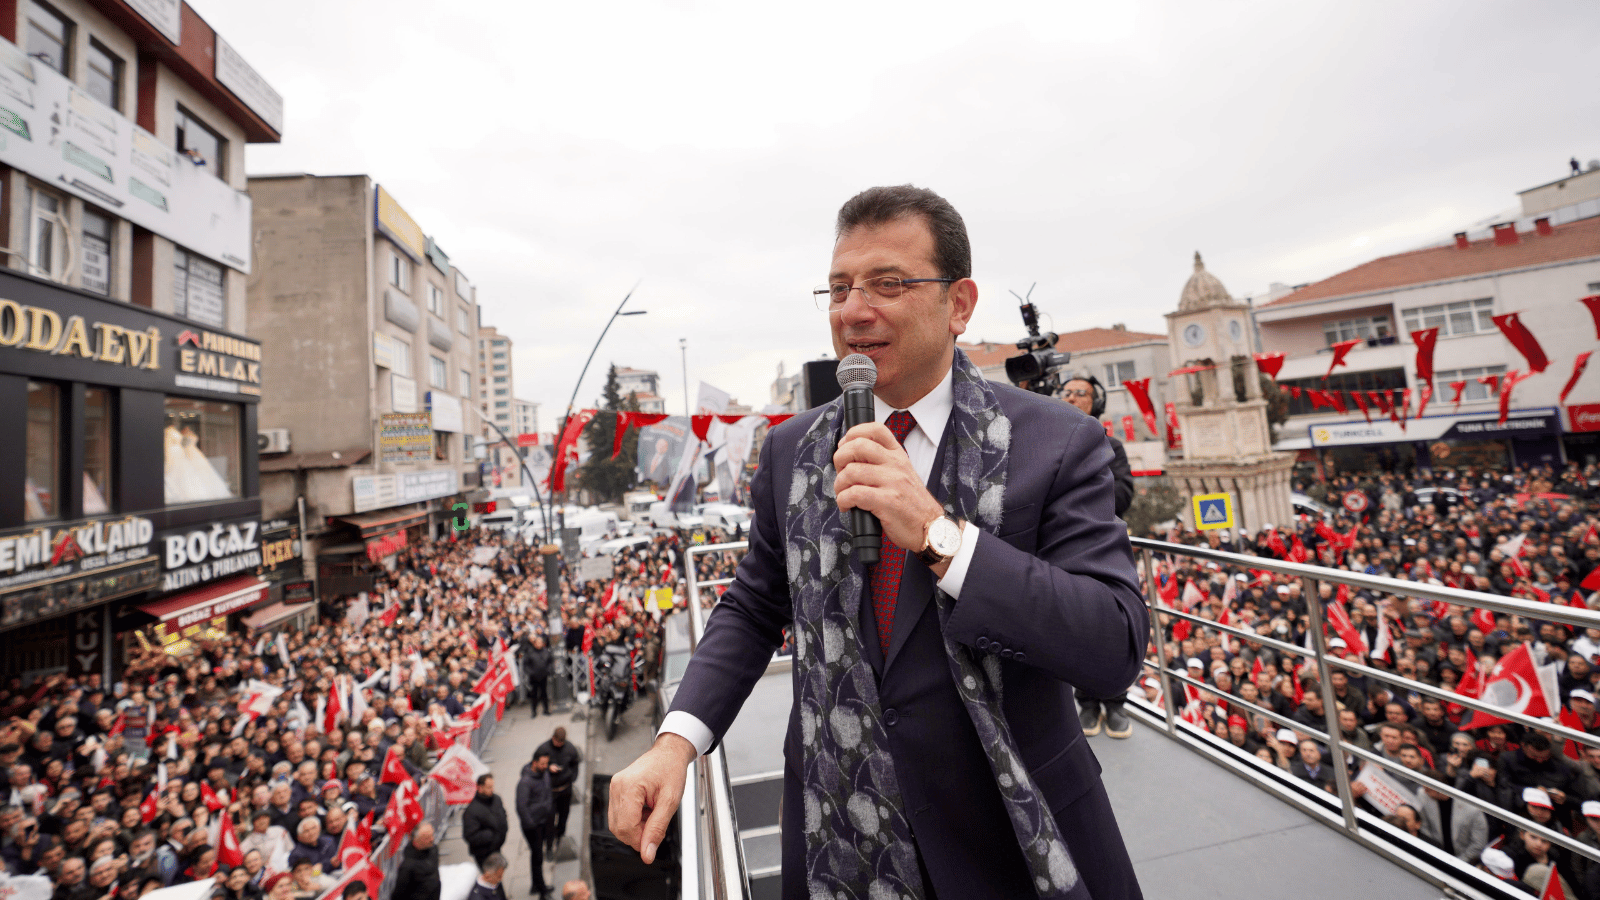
(885, 290)
(1077, 392)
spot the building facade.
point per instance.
(496, 382)
(134, 511)
(1539, 265)
(374, 418)
(645, 385)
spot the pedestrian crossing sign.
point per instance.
(1213, 511)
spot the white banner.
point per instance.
(380, 491)
(1384, 791)
(57, 133)
(236, 75)
(446, 412)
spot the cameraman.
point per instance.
(1086, 393)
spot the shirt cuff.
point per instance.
(956, 575)
(691, 729)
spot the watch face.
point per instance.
(944, 537)
(1194, 334)
(1235, 330)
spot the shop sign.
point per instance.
(64, 335)
(280, 550)
(299, 592)
(394, 223)
(381, 491)
(385, 545)
(406, 437)
(237, 75)
(1526, 422)
(59, 134)
(1584, 417)
(218, 608)
(218, 362)
(86, 652)
(63, 551)
(201, 554)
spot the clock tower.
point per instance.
(1227, 442)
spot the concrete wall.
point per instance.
(1556, 194)
(1303, 335)
(313, 311)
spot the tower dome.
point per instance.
(1203, 290)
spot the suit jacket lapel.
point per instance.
(916, 581)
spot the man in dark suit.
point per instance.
(1043, 597)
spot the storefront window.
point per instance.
(44, 452)
(202, 450)
(96, 452)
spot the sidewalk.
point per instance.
(518, 735)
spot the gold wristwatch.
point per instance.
(941, 540)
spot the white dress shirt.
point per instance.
(931, 413)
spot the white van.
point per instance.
(727, 516)
(636, 505)
(663, 517)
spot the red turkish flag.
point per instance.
(1139, 389)
(1492, 382)
(457, 772)
(404, 812)
(567, 448)
(1593, 302)
(388, 616)
(1592, 582)
(1169, 591)
(1297, 551)
(1471, 683)
(1269, 363)
(1275, 544)
(1294, 391)
(1341, 349)
(1571, 720)
(210, 798)
(121, 721)
(228, 852)
(623, 420)
(1361, 404)
(701, 425)
(393, 771)
(1380, 400)
(1506, 386)
(148, 808)
(362, 869)
(1520, 337)
(1339, 620)
(1552, 885)
(1458, 387)
(1192, 596)
(1513, 684)
(351, 846)
(1424, 339)
(1180, 631)
(1424, 394)
(1127, 428)
(1578, 365)
(332, 709)
(1337, 398)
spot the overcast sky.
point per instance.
(562, 152)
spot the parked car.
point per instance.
(1305, 506)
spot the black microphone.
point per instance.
(857, 375)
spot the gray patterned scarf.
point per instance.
(858, 841)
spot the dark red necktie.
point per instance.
(892, 559)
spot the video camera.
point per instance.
(1039, 367)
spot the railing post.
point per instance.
(1152, 599)
(1330, 712)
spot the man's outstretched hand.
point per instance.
(645, 795)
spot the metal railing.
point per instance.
(1342, 811)
(715, 829)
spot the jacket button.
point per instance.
(1020, 657)
(890, 717)
(983, 643)
(1006, 653)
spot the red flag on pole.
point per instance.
(393, 771)
(1520, 337)
(567, 448)
(1578, 365)
(1341, 349)
(1424, 340)
(1471, 683)
(1513, 684)
(404, 812)
(228, 851)
(1552, 883)
(210, 799)
(148, 807)
(1458, 387)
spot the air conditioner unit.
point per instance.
(273, 440)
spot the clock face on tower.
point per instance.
(1194, 334)
(1235, 330)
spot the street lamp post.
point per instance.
(527, 476)
(683, 344)
(576, 387)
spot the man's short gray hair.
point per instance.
(494, 862)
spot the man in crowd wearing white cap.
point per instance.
(1585, 872)
(1498, 863)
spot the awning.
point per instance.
(374, 524)
(1293, 443)
(275, 613)
(209, 602)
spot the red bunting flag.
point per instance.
(623, 420)
(1405, 407)
(1361, 405)
(1127, 428)
(1511, 379)
(1593, 302)
(1139, 388)
(1337, 399)
(1578, 365)
(1294, 392)
(1319, 399)
(1425, 339)
(1521, 338)
(1269, 363)
(1492, 382)
(1341, 349)
(567, 448)
(1458, 387)
(700, 425)
(1424, 394)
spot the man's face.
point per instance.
(1080, 393)
(1410, 758)
(909, 340)
(1391, 740)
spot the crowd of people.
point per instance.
(173, 774)
(1532, 534)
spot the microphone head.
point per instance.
(857, 370)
